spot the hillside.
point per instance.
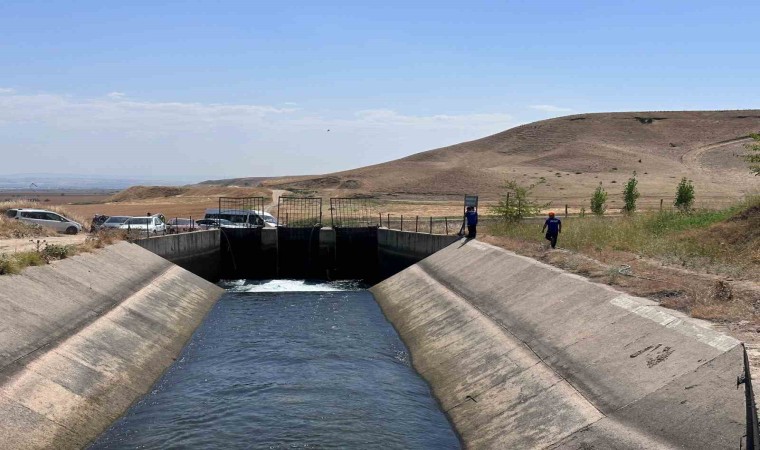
(573, 154)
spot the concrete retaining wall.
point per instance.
(198, 252)
(82, 338)
(397, 250)
(524, 355)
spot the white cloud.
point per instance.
(550, 108)
(7, 91)
(95, 133)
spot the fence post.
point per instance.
(389, 221)
(416, 223)
(565, 209)
(402, 222)
(431, 224)
(381, 219)
(446, 221)
(661, 205)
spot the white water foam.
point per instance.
(289, 286)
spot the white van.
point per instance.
(242, 217)
(44, 218)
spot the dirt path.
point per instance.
(276, 194)
(26, 244)
(692, 157)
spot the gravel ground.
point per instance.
(26, 244)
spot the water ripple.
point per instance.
(317, 368)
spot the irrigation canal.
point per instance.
(288, 364)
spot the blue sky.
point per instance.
(221, 89)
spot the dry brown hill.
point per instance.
(139, 193)
(573, 154)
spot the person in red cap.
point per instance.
(553, 228)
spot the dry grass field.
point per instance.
(186, 201)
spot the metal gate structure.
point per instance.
(240, 240)
(355, 222)
(299, 220)
(353, 212)
(243, 212)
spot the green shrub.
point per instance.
(8, 266)
(599, 200)
(631, 194)
(53, 251)
(517, 202)
(684, 195)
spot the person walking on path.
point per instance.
(553, 228)
(471, 217)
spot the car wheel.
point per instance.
(72, 230)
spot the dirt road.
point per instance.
(26, 244)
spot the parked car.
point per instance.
(113, 222)
(48, 219)
(243, 217)
(178, 225)
(148, 224)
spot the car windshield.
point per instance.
(117, 219)
(139, 221)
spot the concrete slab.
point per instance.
(524, 355)
(83, 338)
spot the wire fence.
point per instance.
(242, 212)
(353, 212)
(299, 212)
(421, 224)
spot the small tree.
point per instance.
(753, 157)
(599, 200)
(631, 194)
(684, 195)
(516, 203)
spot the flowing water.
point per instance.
(288, 364)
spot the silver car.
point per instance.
(47, 219)
(149, 224)
(113, 222)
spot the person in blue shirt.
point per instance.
(471, 217)
(553, 227)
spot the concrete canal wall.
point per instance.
(524, 355)
(83, 338)
(198, 252)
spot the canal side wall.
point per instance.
(83, 338)
(199, 251)
(524, 355)
(397, 250)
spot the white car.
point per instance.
(149, 224)
(48, 219)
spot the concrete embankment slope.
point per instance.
(83, 338)
(524, 355)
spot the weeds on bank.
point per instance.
(14, 229)
(14, 263)
(699, 239)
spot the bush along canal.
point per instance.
(288, 364)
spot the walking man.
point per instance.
(472, 221)
(553, 227)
